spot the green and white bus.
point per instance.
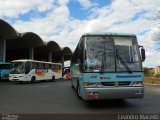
(4, 70)
(108, 66)
(33, 70)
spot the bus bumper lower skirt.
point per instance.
(112, 93)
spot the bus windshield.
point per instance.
(4, 66)
(109, 54)
(18, 68)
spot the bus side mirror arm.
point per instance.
(143, 56)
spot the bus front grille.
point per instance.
(116, 83)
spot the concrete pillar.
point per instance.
(50, 57)
(2, 50)
(62, 60)
(31, 53)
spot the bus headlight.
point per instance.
(91, 84)
(137, 83)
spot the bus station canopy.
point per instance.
(67, 53)
(27, 40)
(7, 31)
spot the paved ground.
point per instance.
(59, 98)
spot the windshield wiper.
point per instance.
(122, 61)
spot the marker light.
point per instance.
(137, 83)
(91, 84)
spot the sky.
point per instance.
(64, 21)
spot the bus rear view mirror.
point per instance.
(143, 56)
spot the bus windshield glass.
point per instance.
(127, 56)
(5, 66)
(18, 68)
(110, 54)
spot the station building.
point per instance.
(28, 45)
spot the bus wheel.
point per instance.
(33, 79)
(53, 78)
(78, 92)
(72, 84)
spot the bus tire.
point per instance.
(78, 91)
(72, 84)
(53, 78)
(33, 79)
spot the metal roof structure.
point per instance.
(7, 31)
(27, 40)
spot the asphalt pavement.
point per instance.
(59, 98)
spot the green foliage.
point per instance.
(146, 72)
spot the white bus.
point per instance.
(32, 70)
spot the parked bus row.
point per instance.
(30, 70)
(4, 70)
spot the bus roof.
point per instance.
(25, 60)
(108, 33)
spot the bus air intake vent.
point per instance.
(116, 83)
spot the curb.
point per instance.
(152, 84)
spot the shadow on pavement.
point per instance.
(115, 103)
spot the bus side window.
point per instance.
(43, 64)
(27, 67)
(50, 66)
(40, 66)
(59, 67)
(54, 67)
(34, 65)
(46, 66)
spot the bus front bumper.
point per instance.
(18, 78)
(112, 93)
(4, 77)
